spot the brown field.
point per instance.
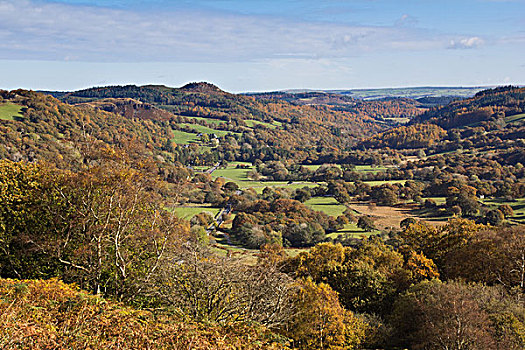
(386, 217)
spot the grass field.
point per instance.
(352, 230)
(370, 169)
(327, 205)
(385, 216)
(183, 138)
(238, 175)
(317, 166)
(189, 212)
(207, 130)
(518, 206)
(10, 111)
(515, 118)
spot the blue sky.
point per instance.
(248, 45)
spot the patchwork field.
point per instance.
(386, 217)
(240, 177)
(518, 206)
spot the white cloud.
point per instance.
(54, 31)
(407, 20)
(466, 43)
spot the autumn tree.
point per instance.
(366, 223)
(102, 228)
(454, 315)
(321, 322)
(208, 288)
(493, 256)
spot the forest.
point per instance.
(151, 217)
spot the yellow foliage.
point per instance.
(321, 322)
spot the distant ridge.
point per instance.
(408, 92)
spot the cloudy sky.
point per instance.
(261, 45)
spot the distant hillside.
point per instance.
(494, 105)
(48, 129)
(272, 127)
(408, 92)
(302, 126)
(492, 119)
(390, 109)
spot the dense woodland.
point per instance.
(94, 252)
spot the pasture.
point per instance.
(206, 130)
(515, 118)
(10, 111)
(240, 177)
(517, 205)
(188, 212)
(390, 217)
(352, 230)
(327, 205)
(183, 138)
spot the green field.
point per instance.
(370, 169)
(182, 138)
(518, 206)
(515, 118)
(317, 166)
(207, 130)
(352, 230)
(238, 175)
(328, 205)
(189, 212)
(10, 111)
(251, 123)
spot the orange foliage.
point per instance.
(49, 314)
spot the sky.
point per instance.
(261, 45)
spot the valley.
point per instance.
(165, 198)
